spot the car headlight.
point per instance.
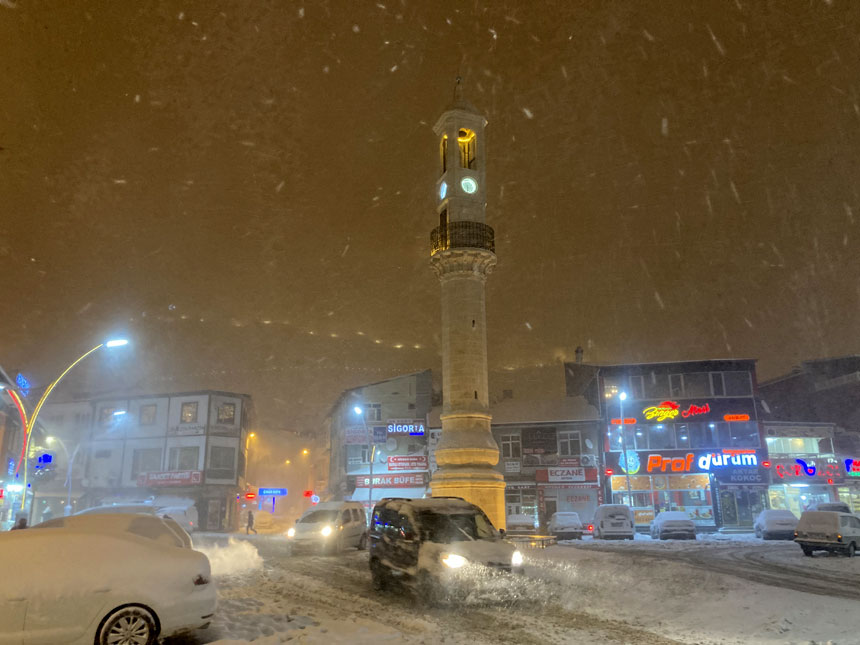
(291, 532)
(326, 531)
(454, 561)
(516, 559)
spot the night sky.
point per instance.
(246, 189)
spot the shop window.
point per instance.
(366, 451)
(697, 385)
(188, 412)
(373, 412)
(636, 437)
(147, 414)
(511, 446)
(718, 388)
(221, 457)
(738, 435)
(569, 443)
(682, 435)
(107, 416)
(611, 386)
(467, 141)
(227, 413)
(703, 435)
(737, 383)
(676, 385)
(661, 437)
(183, 458)
(637, 387)
(797, 446)
(145, 460)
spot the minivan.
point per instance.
(435, 546)
(330, 527)
(613, 521)
(828, 531)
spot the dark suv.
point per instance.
(431, 543)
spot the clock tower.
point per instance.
(463, 254)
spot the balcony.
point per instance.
(462, 235)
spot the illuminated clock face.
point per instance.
(443, 190)
(468, 185)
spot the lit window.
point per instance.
(227, 413)
(467, 141)
(189, 412)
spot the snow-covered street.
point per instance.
(714, 590)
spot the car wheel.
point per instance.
(807, 551)
(130, 625)
(378, 575)
(362, 542)
(758, 533)
(428, 589)
(850, 550)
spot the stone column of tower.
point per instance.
(463, 255)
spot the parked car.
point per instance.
(673, 525)
(138, 509)
(775, 524)
(613, 521)
(185, 516)
(828, 531)
(839, 507)
(86, 579)
(434, 544)
(330, 527)
(565, 526)
(521, 523)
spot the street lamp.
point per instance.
(31, 422)
(372, 447)
(622, 397)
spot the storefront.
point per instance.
(798, 483)
(568, 487)
(701, 457)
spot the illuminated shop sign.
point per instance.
(852, 467)
(657, 463)
(730, 410)
(670, 410)
(412, 427)
(829, 469)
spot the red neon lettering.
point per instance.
(736, 417)
(654, 462)
(695, 410)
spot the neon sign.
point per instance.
(671, 409)
(736, 417)
(852, 467)
(705, 462)
(23, 384)
(666, 410)
(827, 470)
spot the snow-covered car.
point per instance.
(330, 526)
(82, 580)
(839, 507)
(521, 523)
(435, 545)
(565, 526)
(673, 525)
(828, 531)
(185, 516)
(136, 509)
(775, 524)
(613, 521)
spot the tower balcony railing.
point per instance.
(462, 235)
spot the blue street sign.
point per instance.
(23, 384)
(272, 492)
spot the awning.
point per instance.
(360, 494)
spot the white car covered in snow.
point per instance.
(138, 509)
(673, 525)
(101, 580)
(330, 527)
(775, 524)
(613, 521)
(828, 531)
(565, 526)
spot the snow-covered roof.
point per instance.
(518, 411)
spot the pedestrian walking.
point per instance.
(250, 526)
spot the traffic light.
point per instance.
(609, 472)
(250, 495)
(308, 493)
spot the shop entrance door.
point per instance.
(740, 506)
(551, 508)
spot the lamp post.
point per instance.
(372, 447)
(31, 422)
(621, 398)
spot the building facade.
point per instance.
(680, 436)
(379, 440)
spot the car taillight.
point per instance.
(591, 527)
(201, 580)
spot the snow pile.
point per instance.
(331, 631)
(238, 557)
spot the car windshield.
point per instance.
(459, 527)
(318, 517)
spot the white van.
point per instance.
(613, 521)
(330, 527)
(828, 531)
